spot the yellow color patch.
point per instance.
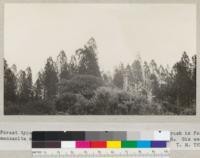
(113, 144)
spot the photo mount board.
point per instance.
(99, 118)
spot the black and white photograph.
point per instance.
(99, 59)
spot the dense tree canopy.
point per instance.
(72, 85)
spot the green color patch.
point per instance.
(129, 144)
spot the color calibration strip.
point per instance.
(94, 139)
(99, 144)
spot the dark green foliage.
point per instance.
(22, 86)
(39, 86)
(154, 84)
(65, 73)
(153, 67)
(62, 66)
(73, 66)
(107, 100)
(39, 107)
(29, 83)
(25, 87)
(183, 81)
(10, 84)
(193, 78)
(129, 74)
(66, 102)
(137, 71)
(72, 104)
(81, 106)
(35, 107)
(88, 63)
(11, 108)
(118, 78)
(81, 84)
(146, 70)
(50, 79)
(78, 87)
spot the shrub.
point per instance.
(109, 100)
(113, 101)
(81, 84)
(70, 103)
(39, 107)
(65, 102)
(11, 108)
(188, 111)
(80, 107)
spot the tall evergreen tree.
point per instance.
(23, 89)
(153, 67)
(29, 83)
(9, 83)
(14, 69)
(154, 85)
(39, 86)
(62, 66)
(88, 62)
(146, 81)
(65, 74)
(137, 75)
(118, 79)
(129, 74)
(162, 75)
(73, 66)
(193, 78)
(183, 81)
(146, 73)
(50, 79)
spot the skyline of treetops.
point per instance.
(74, 85)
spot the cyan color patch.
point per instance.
(144, 144)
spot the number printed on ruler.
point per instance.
(101, 153)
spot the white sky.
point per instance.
(33, 32)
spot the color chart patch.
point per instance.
(99, 139)
(101, 144)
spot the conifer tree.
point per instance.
(118, 79)
(50, 79)
(62, 66)
(29, 83)
(182, 81)
(39, 86)
(23, 89)
(88, 63)
(9, 83)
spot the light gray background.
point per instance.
(98, 119)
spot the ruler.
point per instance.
(101, 153)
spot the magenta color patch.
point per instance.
(82, 144)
